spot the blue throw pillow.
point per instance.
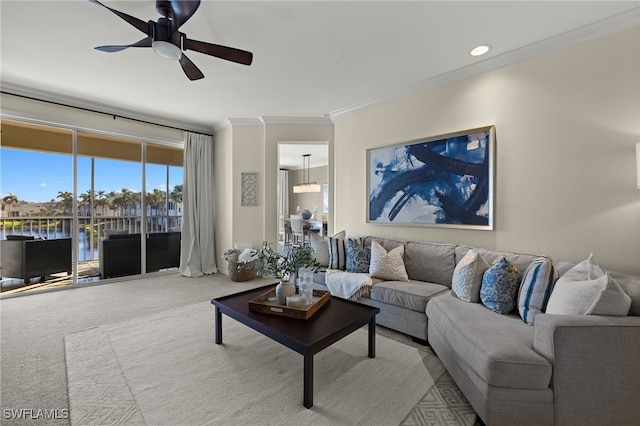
(500, 285)
(358, 256)
(537, 283)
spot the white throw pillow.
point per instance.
(467, 277)
(387, 266)
(587, 290)
(320, 247)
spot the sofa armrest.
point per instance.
(596, 367)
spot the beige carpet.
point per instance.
(165, 369)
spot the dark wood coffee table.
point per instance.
(335, 320)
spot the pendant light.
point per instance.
(306, 186)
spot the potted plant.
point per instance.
(270, 263)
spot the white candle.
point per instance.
(294, 301)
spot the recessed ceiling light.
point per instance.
(479, 50)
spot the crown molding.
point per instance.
(616, 23)
(230, 122)
(321, 120)
(267, 120)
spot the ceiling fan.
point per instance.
(165, 39)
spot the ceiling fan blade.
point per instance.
(145, 42)
(139, 24)
(222, 52)
(182, 11)
(190, 69)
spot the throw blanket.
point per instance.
(348, 285)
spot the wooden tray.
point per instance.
(262, 305)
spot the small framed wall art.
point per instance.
(442, 181)
(249, 189)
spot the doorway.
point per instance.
(303, 189)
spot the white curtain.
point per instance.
(283, 193)
(198, 255)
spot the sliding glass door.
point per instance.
(113, 229)
(163, 207)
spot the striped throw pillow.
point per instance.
(337, 252)
(536, 287)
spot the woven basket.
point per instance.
(244, 274)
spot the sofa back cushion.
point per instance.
(631, 286)
(520, 260)
(387, 243)
(20, 237)
(430, 262)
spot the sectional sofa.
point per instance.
(558, 370)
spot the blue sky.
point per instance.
(39, 176)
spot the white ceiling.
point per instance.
(311, 59)
(290, 155)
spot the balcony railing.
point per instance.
(51, 227)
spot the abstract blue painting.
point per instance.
(443, 181)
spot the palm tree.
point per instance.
(85, 200)
(9, 200)
(102, 201)
(66, 201)
(176, 197)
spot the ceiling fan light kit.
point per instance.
(166, 50)
(165, 39)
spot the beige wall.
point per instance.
(253, 148)
(223, 175)
(248, 149)
(566, 127)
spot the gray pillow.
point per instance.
(320, 247)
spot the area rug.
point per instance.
(165, 369)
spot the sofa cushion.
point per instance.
(521, 260)
(500, 286)
(535, 289)
(430, 262)
(358, 255)
(586, 289)
(631, 286)
(387, 243)
(498, 348)
(467, 277)
(387, 265)
(412, 295)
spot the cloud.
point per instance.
(44, 185)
